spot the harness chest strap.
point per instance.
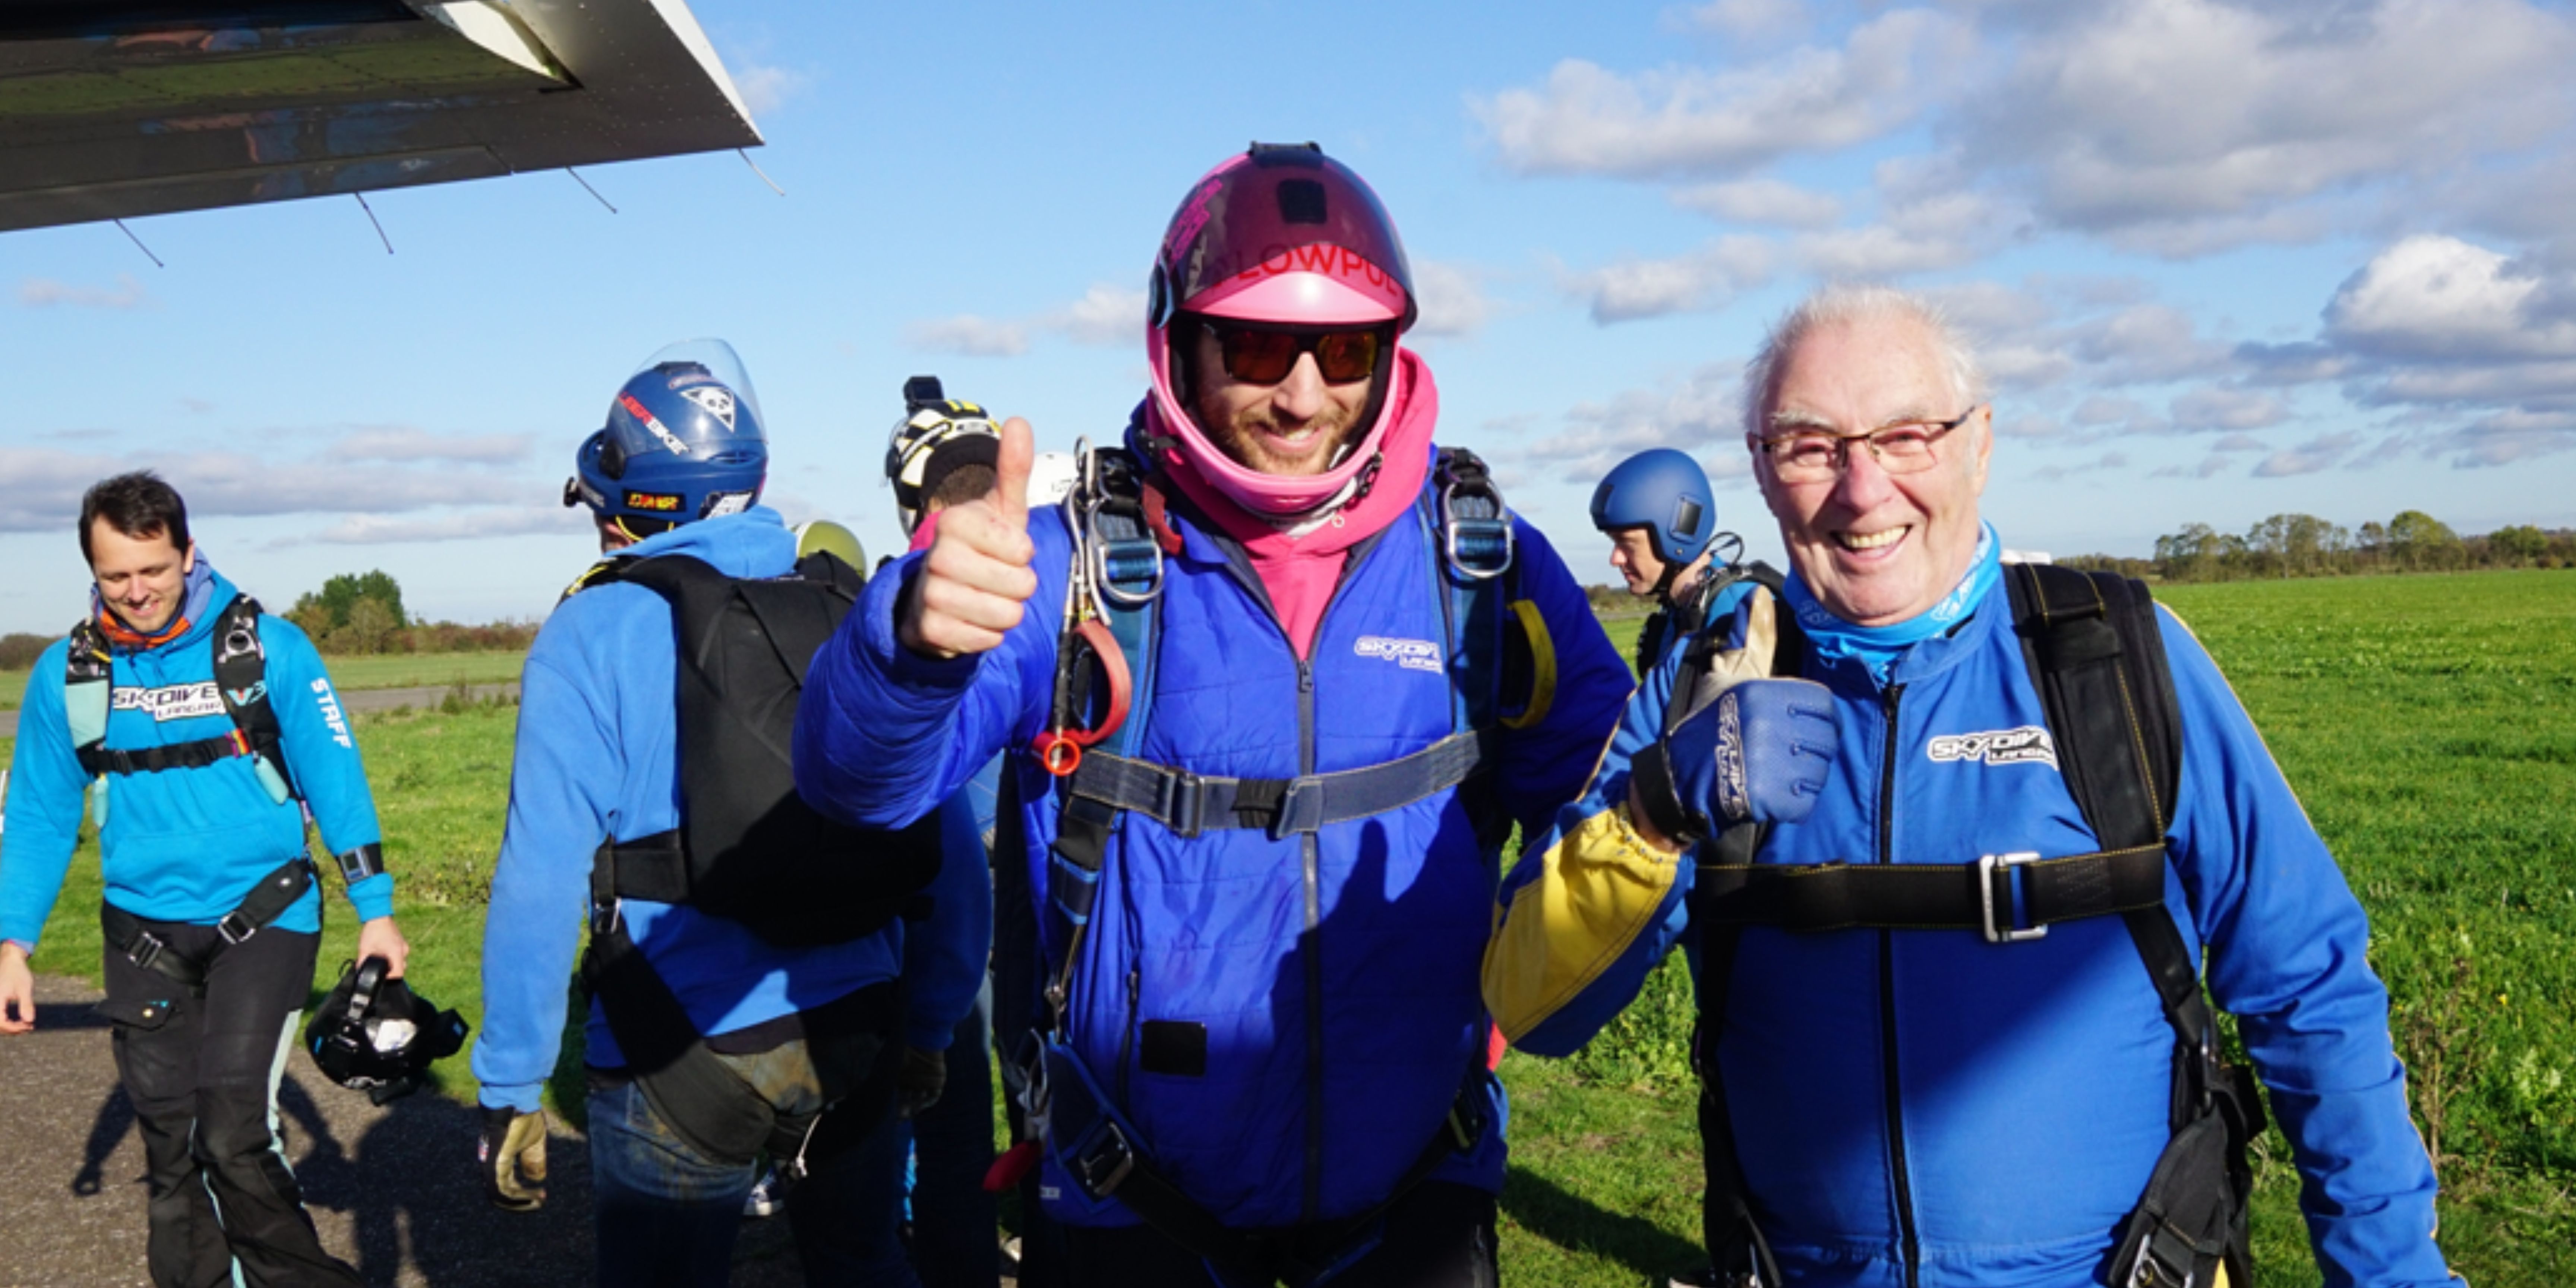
(1189, 803)
(1977, 896)
(240, 666)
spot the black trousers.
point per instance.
(202, 1072)
(1438, 1236)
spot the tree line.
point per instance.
(353, 613)
(2303, 545)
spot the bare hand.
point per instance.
(381, 938)
(17, 990)
(973, 585)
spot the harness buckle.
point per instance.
(604, 917)
(1186, 814)
(1101, 1166)
(1988, 867)
(226, 928)
(146, 949)
(1301, 808)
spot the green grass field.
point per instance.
(2428, 722)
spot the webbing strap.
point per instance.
(177, 755)
(1190, 804)
(1936, 896)
(266, 902)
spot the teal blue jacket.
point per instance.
(185, 844)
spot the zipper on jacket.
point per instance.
(1910, 1245)
(1313, 1198)
(1127, 1032)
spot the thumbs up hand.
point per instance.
(972, 586)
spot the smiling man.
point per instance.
(1333, 672)
(1953, 1021)
(195, 722)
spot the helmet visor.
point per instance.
(720, 361)
(1275, 211)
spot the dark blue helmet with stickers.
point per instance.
(683, 442)
(1666, 493)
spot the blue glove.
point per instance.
(1759, 753)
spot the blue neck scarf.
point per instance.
(1878, 647)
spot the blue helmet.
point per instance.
(1664, 492)
(683, 442)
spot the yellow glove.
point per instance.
(513, 1154)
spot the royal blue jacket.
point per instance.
(1998, 1106)
(185, 845)
(597, 759)
(1331, 978)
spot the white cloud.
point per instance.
(1771, 202)
(1645, 288)
(1749, 19)
(1105, 315)
(765, 88)
(2106, 463)
(46, 293)
(1452, 297)
(403, 443)
(2215, 408)
(1588, 119)
(2435, 298)
(2309, 457)
(40, 488)
(1702, 413)
(969, 334)
(2146, 117)
(463, 525)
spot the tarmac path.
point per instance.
(393, 1190)
(359, 700)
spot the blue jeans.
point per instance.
(667, 1215)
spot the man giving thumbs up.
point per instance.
(1265, 1016)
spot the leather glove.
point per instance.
(925, 1075)
(1759, 753)
(512, 1151)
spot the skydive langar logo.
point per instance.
(177, 702)
(1412, 655)
(2028, 745)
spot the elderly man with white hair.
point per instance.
(1947, 887)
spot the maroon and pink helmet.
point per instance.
(1284, 236)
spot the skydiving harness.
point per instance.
(241, 679)
(2097, 658)
(1107, 654)
(747, 848)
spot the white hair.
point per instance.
(1842, 304)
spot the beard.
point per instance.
(1243, 438)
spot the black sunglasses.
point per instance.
(1265, 357)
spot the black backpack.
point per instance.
(748, 848)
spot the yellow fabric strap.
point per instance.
(1542, 651)
(1598, 889)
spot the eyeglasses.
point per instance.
(1901, 448)
(1262, 357)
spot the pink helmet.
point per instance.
(1284, 235)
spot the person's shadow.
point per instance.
(414, 1194)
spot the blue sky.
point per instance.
(2225, 261)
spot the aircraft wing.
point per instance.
(115, 108)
